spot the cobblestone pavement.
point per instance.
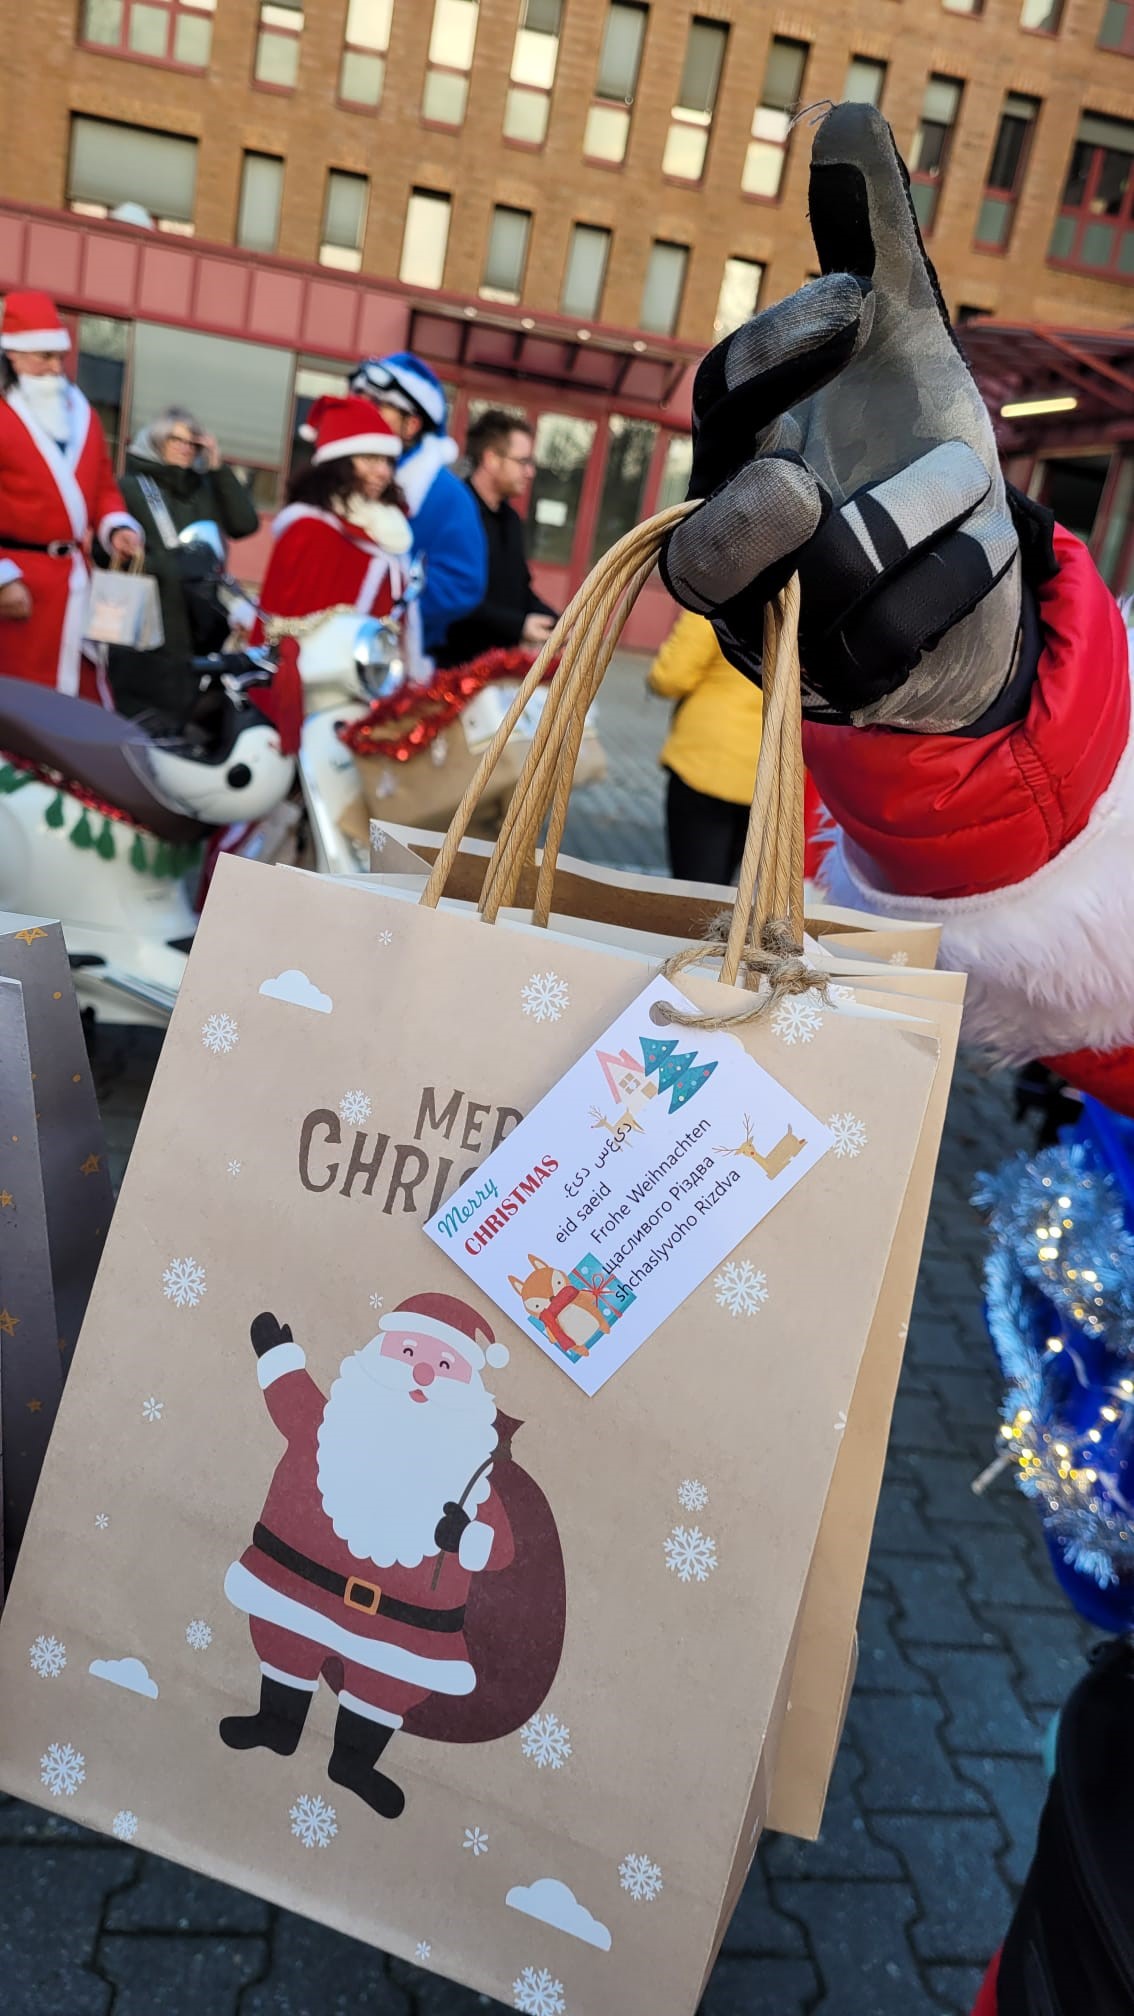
(966, 1651)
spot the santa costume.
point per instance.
(380, 1514)
(55, 494)
(353, 556)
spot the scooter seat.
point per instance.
(87, 745)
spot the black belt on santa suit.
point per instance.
(56, 549)
(355, 1593)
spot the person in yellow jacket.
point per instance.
(710, 754)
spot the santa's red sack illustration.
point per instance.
(402, 1555)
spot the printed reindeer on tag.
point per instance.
(568, 1312)
(777, 1158)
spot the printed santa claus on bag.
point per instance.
(57, 493)
(396, 1499)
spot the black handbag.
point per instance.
(1070, 1947)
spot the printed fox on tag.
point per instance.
(570, 1314)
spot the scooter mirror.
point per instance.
(378, 657)
(205, 532)
(415, 582)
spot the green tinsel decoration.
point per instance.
(138, 858)
(163, 858)
(12, 779)
(81, 835)
(54, 814)
(104, 845)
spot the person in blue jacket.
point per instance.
(447, 531)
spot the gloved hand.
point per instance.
(267, 1333)
(840, 434)
(450, 1528)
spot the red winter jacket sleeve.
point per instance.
(1017, 843)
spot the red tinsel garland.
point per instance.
(433, 708)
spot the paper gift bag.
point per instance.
(123, 608)
(55, 1197)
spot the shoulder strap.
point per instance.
(159, 511)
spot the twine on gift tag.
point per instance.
(772, 964)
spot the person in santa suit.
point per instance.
(343, 539)
(381, 1513)
(966, 671)
(57, 493)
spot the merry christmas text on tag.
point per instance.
(640, 1171)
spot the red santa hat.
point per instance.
(350, 426)
(451, 1322)
(31, 322)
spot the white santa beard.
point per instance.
(389, 1464)
(49, 400)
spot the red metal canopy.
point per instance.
(1021, 362)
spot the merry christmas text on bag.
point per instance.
(484, 1677)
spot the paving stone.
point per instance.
(317, 1972)
(900, 1526)
(167, 1898)
(154, 1975)
(762, 1988)
(20, 1822)
(51, 1899)
(970, 1399)
(1006, 1569)
(1015, 1788)
(965, 1903)
(883, 1667)
(907, 1770)
(983, 1711)
(845, 1847)
(758, 1926)
(955, 1987)
(935, 1341)
(1050, 1648)
(918, 1422)
(934, 1604)
(950, 1501)
(429, 1995)
(859, 1935)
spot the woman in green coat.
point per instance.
(174, 476)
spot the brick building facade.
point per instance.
(619, 179)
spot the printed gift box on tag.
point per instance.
(390, 1624)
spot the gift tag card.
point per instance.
(642, 1169)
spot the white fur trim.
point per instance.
(246, 1592)
(442, 1333)
(360, 444)
(476, 1546)
(281, 1359)
(497, 1356)
(37, 339)
(9, 572)
(418, 468)
(1050, 959)
(118, 521)
(368, 1711)
(288, 1679)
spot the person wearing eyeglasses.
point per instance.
(499, 449)
(175, 477)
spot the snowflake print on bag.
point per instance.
(545, 996)
(691, 1554)
(546, 1740)
(741, 1288)
(385, 937)
(184, 1283)
(641, 1878)
(422, 1950)
(849, 1133)
(48, 1658)
(152, 1410)
(124, 1825)
(475, 1840)
(220, 1035)
(797, 1018)
(234, 1168)
(376, 1301)
(62, 1769)
(692, 1496)
(537, 1993)
(899, 958)
(102, 1521)
(312, 1821)
(199, 1635)
(354, 1108)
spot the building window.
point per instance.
(535, 54)
(507, 254)
(665, 284)
(1006, 169)
(315, 378)
(171, 31)
(451, 46)
(687, 141)
(563, 448)
(100, 371)
(1041, 17)
(585, 274)
(261, 193)
(277, 43)
(929, 157)
(362, 71)
(963, 6)
(1117, 31)
(766, 157)
(242, 392)
(630, 447)
(966, 312)
(676, 471)
(1095, 226)
(608, 121)
(865, 80)
(112, 164)
(739, 295)
(344, 221)
(426, 239)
